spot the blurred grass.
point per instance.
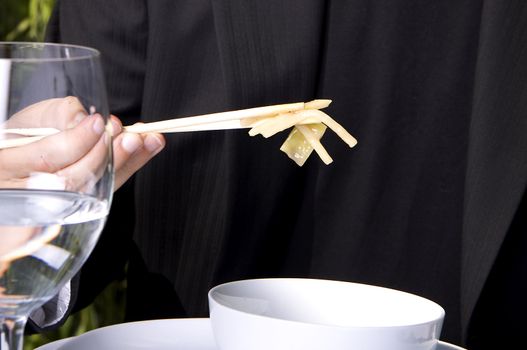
(25, 20)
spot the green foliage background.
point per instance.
(25, 20)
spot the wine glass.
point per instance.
(56, 173)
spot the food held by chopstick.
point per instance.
(307, 121)
(309, 125)
(299, 147)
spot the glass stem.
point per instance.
(12, 332)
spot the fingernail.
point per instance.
(152, 143)
(98, 125)
(116, 127)
(113, 128)
(130, 142)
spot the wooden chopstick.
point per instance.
(21, 141)
(239, 115)
(244, 118)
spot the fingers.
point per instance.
(59, 113)
(132, 151)
(117, 126)
(53, 152)
(76, 150)
(83, 175)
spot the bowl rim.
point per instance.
(437, 320)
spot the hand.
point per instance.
(132, 151)
(85, 144)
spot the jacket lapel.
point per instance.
(497, 154)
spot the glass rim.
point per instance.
(86, 51)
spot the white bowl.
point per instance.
(310, 314)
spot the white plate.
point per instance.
(175, 334)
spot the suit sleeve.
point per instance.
(118, 29)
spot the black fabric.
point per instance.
(497, 153)
(435, 92)
(500, 309)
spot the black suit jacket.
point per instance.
(435, 92)
(494, 222)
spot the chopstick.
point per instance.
(200, 120)
(244, 118)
